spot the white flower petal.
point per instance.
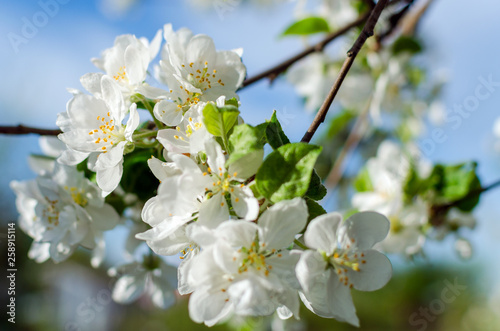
(373, 274)
(321, 232)
(281, 222)
(365, 229)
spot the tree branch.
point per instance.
(351, 55)
(22, 129)
(274, 72)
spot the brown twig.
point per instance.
(22, 129)
(351, 55)
(274, 72)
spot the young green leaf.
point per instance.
(316, 190)
(306, 26)
(286, 172)
(274, 133)
(219, 121)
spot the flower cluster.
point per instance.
(249, 233)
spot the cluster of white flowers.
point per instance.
(242, 251)
(411, 221)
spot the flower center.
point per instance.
(78, 195)
(121, 75)
(202, 78)
(343, 259)
(108, 133)
(255, 259)
(51, 212)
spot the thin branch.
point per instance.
(351, 55)
(274, 72)
(22, 129)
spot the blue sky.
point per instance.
(459, 36)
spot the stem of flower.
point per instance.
(301, 245)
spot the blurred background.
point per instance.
(460, 40)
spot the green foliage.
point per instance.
(246, 139)
(363, 183)
(406, 44)
(137, 178)
(307, 26)
(450, 183)
(219, 121)
(314, 209)
(274, 133)
(286, 172)
(316, 190)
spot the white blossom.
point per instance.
(341, 258)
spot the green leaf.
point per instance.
(137, 177)
(286, 172)
(363, 183)
(316, 190)
(314, 209)
(406, 44)
(274, 133)
(219, 121)
(246, 139)
(454, 182)
(306, 26)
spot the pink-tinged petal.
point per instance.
(373, 274)
(321, 233)
(168, 112)
(213, 211)
(200, 49)
(132, 123)
(244, 203)
(109, 178)
(280, 223)
(365, 229)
